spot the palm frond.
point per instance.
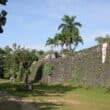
(61, 26)
(78, 24)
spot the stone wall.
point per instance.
(62, 71)
(85, 67)
(89, 70)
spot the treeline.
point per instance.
(13, 60)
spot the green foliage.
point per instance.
(3, 2)
(13, 58)
(7, 75)
(41, 54)
(51, 42)
(69, 34)
(102, 40)
(60, 39)
(70, 28)
(48, 68)
(65, 50)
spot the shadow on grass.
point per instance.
(18, 89)
(9, 105)
(14, 105)
(46, 106)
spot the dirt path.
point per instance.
(27, 104)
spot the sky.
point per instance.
(31, 22)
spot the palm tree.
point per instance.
(60, 40)
(102, 40)
(77, 40)
(70, 28)
(105, 42)
(51, 42)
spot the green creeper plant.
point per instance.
(48, 69)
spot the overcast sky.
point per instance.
(31, 22)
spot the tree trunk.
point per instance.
(61, 47)
(69, 47)
(52, 48)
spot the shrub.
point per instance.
(48, 69)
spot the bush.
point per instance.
(48, 69)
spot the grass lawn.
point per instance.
(52, 97)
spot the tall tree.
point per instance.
(3, 14)
(60, 40)
(77, 40)
(70, 28)
(102, 40)
(51, 42)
